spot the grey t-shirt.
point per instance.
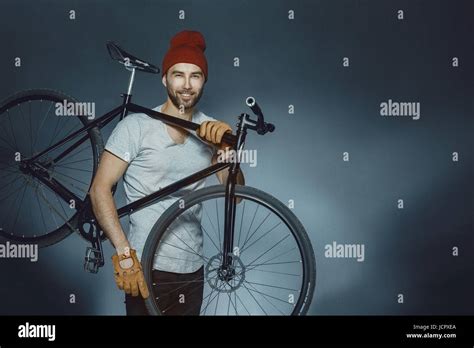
(156, 161)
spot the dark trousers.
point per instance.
(178, 294)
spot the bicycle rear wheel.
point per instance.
(273, 268)
(31, 211)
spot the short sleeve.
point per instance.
(124, 141)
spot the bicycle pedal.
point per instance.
(93, 260)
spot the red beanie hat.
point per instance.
(186, 47)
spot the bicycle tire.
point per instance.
(304, 243)
(97, 146)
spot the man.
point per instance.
(151, 155)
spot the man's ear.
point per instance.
(163, 80)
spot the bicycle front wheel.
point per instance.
(273, 268)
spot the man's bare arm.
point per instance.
(111, 169)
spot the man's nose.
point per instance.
(187, 83)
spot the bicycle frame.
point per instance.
(94, 255)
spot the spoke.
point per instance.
(42, 122)
(81, 170)
(177, 258)
(71, 155)
(31, 130)
(5, 198)
(194, 253)
(8, 173)
(218, 291)
(60, 204)
(55, 129)
(281, 240)
(241, 223)
(200, 305)
(258, 303)
(176, 289)
(13, 133)
(266, 217)
(276, 298)
(43, 195)
(10, 165)
(205, 308)
(189, 234)
(243, 304)
(271, 286)
(10, 207)
(4, 131)
(209, 218)
(181, 282)
(218, 227)
(74, 125)
(217, 302)
(50, 206)
(7, 150)
(253, 219)
(175, 303)
(41, 212)
(273, 258)
(268, 263)
(206, 233)
(228, 306)
(23, 117)
(81, 190)
(283, 273)
(264, 296)
(87, 159)
(278, 224)
(8, 184)
(10, 147)
(79, 181)
(19, 208)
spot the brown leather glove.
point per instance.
(212, 131)
(129, 274)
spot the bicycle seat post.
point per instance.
(127, 97)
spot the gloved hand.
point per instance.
(212, 131)
(129, 274)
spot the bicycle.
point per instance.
(242, 254)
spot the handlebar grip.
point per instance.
(252, 104)
(229, 138)
(270, 127)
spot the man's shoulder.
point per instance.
(136, 119)
(201, 117)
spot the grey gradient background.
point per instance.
(286, 62)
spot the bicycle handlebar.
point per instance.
(262, 126)
(176, 121)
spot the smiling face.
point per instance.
(184, 83)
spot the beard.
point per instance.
(178, 100)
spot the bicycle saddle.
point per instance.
(129, 60)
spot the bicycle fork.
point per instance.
(230, 200)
